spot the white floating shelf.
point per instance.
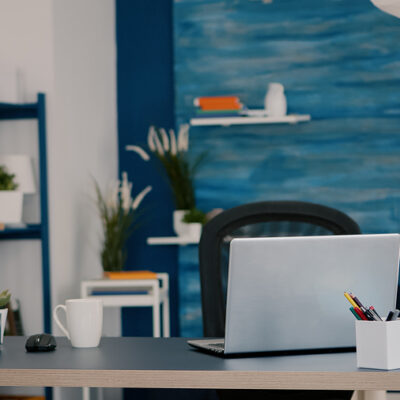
(181, 240)
(227, 121)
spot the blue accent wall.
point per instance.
(145, 97)
(339, 61)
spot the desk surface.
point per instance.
(171, 363)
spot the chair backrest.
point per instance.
(267, 218)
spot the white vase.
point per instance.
(11, 202)
(195, 230)
(275, 100)
(3, 320)
(181, 228)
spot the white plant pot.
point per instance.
(11, 202)
(195, 230)
(181, 228)
(3, 320)
(21, 166)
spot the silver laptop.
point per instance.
(287, 293)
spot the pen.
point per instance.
(351, 301)
(373, 311)
(394, 315)
(355, 299)
(360, 313)
(368, 314)
(354, 312)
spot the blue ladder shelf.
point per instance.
(32, 231)
(10, 111)
(18, 111)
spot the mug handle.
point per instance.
(61, 326)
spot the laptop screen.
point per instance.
(287, 293)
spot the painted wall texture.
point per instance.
(145, 97)
(339, 61)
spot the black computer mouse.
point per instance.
(41, 342)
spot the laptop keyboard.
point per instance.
(217, 347)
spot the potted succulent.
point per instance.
(4, 300)
(11, 200)
(118, 212)
(195, 219)
(172, 152)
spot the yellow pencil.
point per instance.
(352, 302)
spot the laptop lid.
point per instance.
(287, 293)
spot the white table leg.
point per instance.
(165, 304)
(156, 311)
(85, 393)
(166, 328)
(369, 395)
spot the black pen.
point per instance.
(368, 314)
(373, 311)
(394, 315)
(389, 317)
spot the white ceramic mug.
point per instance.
(84, 321)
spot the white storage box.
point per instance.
(11, 202)
(378, 344)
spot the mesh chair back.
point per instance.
(267, 218)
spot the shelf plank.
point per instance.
(227, 121)
(179, 240)
(33, 231)
(18, 111)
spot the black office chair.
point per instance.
(267, 218)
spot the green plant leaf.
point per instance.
(7, 181)
(5, 296)
(117, 226)
(194, 215)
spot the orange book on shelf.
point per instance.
(16, 397)
(130, 275)
(218, 103)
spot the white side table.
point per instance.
(155, 294)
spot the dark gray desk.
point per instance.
(171, 363)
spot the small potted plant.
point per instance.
(172, 152)
(118, 212)
(4, 300)
(11, 200)
(195, 219)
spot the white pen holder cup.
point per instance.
(378, 344)
(84, 321)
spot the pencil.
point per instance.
(354, 312)
(351, 301)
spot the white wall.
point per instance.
(25, 43)
(67, 50)
(85, 143)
